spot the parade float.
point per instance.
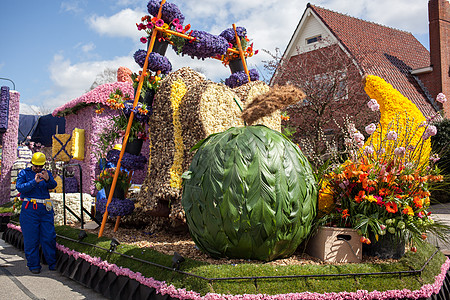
(218, 166)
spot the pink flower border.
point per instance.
(162, 288)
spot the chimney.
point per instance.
(439, 27)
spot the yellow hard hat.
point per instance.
(38, 159)
(118, 147)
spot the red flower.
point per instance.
(360, 196)
(345, 214)
(418, 202)
(365, 240)
(391, 207)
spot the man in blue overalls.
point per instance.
(36, 216)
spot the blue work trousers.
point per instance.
(38, 227)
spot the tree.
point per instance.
(108, 75)
(334, 92)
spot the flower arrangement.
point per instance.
(240, 78)
(230, 36)
(156, 62)
(105, 178)
(384, 186)
(123, 103)
(129, 161)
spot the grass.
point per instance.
(411, 261)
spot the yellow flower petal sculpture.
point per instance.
(398, 114)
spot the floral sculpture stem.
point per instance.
(130, 121)
(241, 52)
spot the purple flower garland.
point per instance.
(169, 11)
(205, 45)
(240, 78)
(117, 207)
(129, 161)
(229, 35)
(156, 62)
(162, 288)
(4, 108)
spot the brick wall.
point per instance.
(439, 27)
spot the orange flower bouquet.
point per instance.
(383, 189)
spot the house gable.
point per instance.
(309, 32)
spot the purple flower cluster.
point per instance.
(156, 62)
(205, 45)
(4, 108)
(169, 11)
(138, 116)
(229, 35)
(71, 185)
(129, 161)
(239, 78)
(117, 207)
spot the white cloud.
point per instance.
(121, 24)
(72, 6)
(87, 47)
(73, 80)
(26, 109)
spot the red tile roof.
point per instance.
(383, 51)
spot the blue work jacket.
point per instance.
(29, 188)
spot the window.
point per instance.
(313, 39)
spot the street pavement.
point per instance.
(18, 283)
(441, 212)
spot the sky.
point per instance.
(53, 50)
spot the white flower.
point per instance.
(368, 150)
(371, 128)
(391, 136)
(400, 151)
(441, 98)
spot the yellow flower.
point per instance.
(371, 198)
(408, 210)
(176, 95)
(398, 114)
(325, 198)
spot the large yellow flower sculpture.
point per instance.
(399, 115)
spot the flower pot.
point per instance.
(134, 147)
(236, 65)
(118, 192)
(159, 47)
(148, 99)
(387, 246)
(335, 244)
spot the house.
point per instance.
(395, 55)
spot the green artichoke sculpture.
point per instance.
(249, 193)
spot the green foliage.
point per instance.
(249, 193)
(440, 144)
(411, 261)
